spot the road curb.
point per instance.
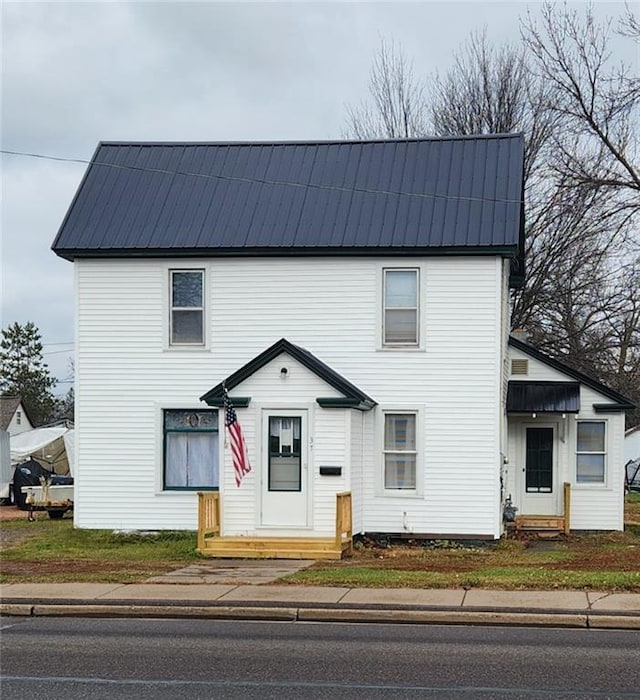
(436, 617)
(295, 613)
(273, 614)
(618, 622)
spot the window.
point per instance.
(187, 307)
(18, 418)
(285, 456)
(191, 451)
(590, 452)
(400, 451)
(400, 307)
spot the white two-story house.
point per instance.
(353, 297)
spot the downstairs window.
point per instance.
(191, 450)
(400, 453)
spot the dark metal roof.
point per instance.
(543, 397)
(438, 195)
(352, 396)
(619, 402)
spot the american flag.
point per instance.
(239, 453)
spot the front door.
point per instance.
(540, 489)
(285, 483)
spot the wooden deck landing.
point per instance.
(546, 525)
(212, 544)
(273, 548)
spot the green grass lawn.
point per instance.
(52, 551)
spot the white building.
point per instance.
(354, 298)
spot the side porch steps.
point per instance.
(274, 548)
(544, 525)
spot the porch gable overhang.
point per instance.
(618, 402)
(352, 397)
(543, 397)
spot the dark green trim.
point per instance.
(236, 401)
(191, 488)
(612, 407)
(165, 432)
(622, 402)
(305, 358)
(343, 402)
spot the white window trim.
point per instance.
(604, 484)
(380, 309)
(380, 425)
(186, 266)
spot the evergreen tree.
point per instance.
(24, 373)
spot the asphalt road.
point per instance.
(72, 658)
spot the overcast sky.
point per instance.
(77, 73)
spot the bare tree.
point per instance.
(598, 103)
(581, 298)
(397, 107)
(491, 90)
(629, 25)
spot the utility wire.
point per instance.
(263, 181)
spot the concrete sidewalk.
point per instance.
(314, 603)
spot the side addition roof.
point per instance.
(352, 396)
(543, 397)
(414, 196)
(618, 402)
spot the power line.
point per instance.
(262, 181)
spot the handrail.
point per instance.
(566, 496)
(208, 516)
(344, 524)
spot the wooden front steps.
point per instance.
(273, 548)
(212, 544)
(548, 525)
(541, 524)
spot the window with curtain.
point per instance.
(400, 454)
(191, 450)
(187, 307)
(590, 452)
(400, 313)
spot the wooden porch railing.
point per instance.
(344, 524)
(208, 516)
(566, 512)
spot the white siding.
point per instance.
(19, 422)
(327, 428)
(593, 507)
(126, 375)
(357, 467)
(632, 445)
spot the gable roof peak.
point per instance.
(304, 357)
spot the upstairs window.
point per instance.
(400, 312)
(400, 454)
(187, 307)
(590, 452)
